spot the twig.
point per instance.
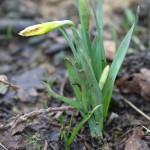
(45, 145)
(63, 84)
(7, 111)
(123, 135)
(135, 108)
(3, 147)
(23, 118)
(146, 129)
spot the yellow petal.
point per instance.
(44, 27)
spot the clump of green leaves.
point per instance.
(91, 78)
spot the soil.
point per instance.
(27, 61)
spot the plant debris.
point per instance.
(23, 58)
(138, 83)
(135, 142)
(5, 85)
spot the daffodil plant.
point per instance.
(91, 78)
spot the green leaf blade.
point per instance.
(79, 126)
(74, 79)
(69, 101)
(64, 32)
(95, 93)
(116, 64)
(100, 15)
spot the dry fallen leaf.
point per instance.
(135, 142)
(9, 141)
(139, 83)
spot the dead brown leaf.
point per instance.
(9, 141)
(135, 142)
(139, 83)
(22, 119)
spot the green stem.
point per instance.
(95, 130)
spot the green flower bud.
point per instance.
(44, 27)
(103, 77)
(84, 14)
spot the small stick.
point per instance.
(63, 84)
(135, 108)
(3, 147)
(24, 117)
(146, 129)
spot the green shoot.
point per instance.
(90, 77)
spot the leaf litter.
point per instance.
(19, 60)
(137, 83)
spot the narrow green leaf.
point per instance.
(64, 32)
(98, 44)
(69, 101)
(69, 127)
(95, 15)
(74, 79)
(85, 42)
(95, 129)
(77, 41)
(99, 18)
(79, 126)
(100, 15)
(84, 35)
(80, 45)
(116, 64)
(96, 58)
(86, 97)
(95, 93)
(84, 14)
(79, 85)
(85, 87)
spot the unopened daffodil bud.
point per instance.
(44, 27)
(103, 77)
(84, 14)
